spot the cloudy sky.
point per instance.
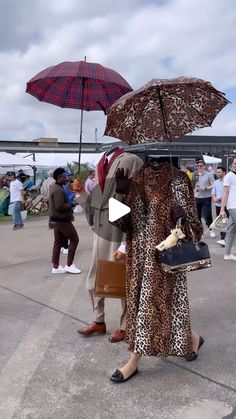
(141, 39)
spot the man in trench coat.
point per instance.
(107, 238)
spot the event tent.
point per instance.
(211, 159)
(7, 159)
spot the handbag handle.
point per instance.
(179, 225)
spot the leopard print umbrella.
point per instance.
(164, 109)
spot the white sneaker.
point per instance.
(212, 234)
(59, 270)
(221, 242)
(230, 257)
(72, 269)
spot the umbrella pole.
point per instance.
(80, 137)
(81, 121)
(81, 124)
(167, 137)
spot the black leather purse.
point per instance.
(186, 256)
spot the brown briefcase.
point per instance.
(110, 279)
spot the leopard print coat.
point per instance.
(158, 321)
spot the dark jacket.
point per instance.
(60, 209)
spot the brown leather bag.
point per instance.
(110, 279)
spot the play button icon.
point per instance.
(117, 209)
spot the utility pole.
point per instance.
(96, 138)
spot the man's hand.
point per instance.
(223, 213)
(122, 181)
(215, 199)
(119, 255)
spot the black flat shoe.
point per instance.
(118, 377)
(193, 355)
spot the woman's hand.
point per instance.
(178, 212)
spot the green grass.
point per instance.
(5, 218)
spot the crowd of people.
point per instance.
(215, 193)
(155, 318)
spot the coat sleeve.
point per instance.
(185, 197)
(59, 201)
(134, 164)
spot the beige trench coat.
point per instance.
(102, 247)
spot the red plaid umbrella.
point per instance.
(78, 85)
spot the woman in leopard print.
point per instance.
(158, 322)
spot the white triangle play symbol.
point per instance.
(117, 209)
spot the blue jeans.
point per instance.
(16, 214)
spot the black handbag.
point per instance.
(186, 256)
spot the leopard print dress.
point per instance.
(158, 321)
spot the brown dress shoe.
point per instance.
(92, 328)
(117, 336)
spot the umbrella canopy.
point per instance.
(164, 109)
(78, 85)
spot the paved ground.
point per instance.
(48, 371)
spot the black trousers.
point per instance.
(204, 210)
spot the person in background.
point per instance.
(21, 176)
(69, 184)
(17, 199)
(203, 186)
(189, 173)
(90, 182)
(229, 202)
(61, 215)
(77, 185)
(5, 187)
(45, 187)
(212, 170)
(71, 197)
(217, 193)
(28, 183)
(88, 186)
(46, 184)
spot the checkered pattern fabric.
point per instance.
(78, 85)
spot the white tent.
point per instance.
(7, 159)
(211, 159)
(27, 161)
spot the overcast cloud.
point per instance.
(139, 39)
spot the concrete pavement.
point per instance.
(48, 371)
